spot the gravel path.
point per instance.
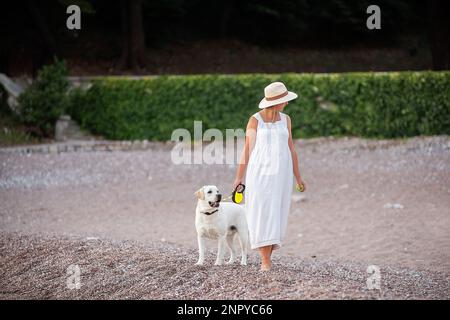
(369, 202)
(129, 270)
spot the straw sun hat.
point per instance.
(276, 93)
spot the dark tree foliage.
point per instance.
(34, 31)
(439, 33)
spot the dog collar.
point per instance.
(210, 213)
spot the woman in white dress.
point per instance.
(271, 162)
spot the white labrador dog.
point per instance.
(222, 221)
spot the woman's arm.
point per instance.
(294, 156)
(250, 139)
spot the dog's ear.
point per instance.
(200, 194)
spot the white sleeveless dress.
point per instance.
(269, 182)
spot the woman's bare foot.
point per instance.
(265, 253)
(265, 268)
(266, 265)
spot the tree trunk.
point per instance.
(44, 47)
(133, 36)
(41, 25)
(227, 8)
(439, 35)
(124, 17)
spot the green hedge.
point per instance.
(355, 104)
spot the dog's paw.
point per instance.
(218, 263)
(243, 263)
(231, 261)
(199, 263)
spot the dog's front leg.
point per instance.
(201, 250)
(220, 251)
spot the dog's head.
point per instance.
(209, 195)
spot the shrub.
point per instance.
(355, 104)
(46, 99)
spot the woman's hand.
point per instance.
(236, 182)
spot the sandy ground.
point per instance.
(384, 203)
